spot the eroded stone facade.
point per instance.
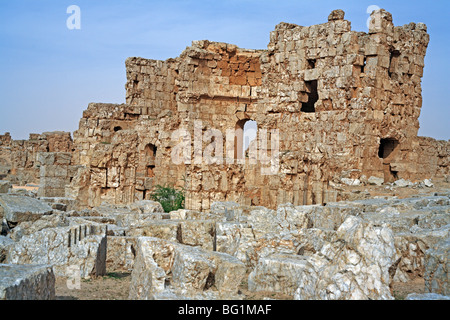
(338, 103)
(19, 161)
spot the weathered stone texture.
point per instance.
(5, 186)
(342, 101)
(19, 209)
(354, 266)
(27, 282)
(437, 268)
(277, 273)
(121, 253)
(185, 270)
(5, 245)
(56, 172)
(19, 161)
(81, 245)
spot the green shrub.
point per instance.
(170, 198)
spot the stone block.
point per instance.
(188, 271)
(167, 230)
(20, 208)
(147, 206)
(63, 158)
(198, 233)
(277, 273)
(46, 158)
(83, 246)
(121, 253)
(375, 181)
(26, 282)
(437, 268)
(354, 265)
(5, 244)
(5, 186)
(147, 278)
(136, 220)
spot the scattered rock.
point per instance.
(351, 182)
(375, 181)
(344, 250)
(428, 183)
(426, 296)
(402, 183)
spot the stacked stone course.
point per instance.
(345, 104)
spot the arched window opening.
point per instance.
(250, 128)
(117, 128)
(245, 135)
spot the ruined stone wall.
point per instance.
(127, 149)
(56, 172)
(18, 158)
(345, 104)
(365, 89)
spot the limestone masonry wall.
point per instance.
(339, 103)
(19, 158)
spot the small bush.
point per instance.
(170, 198)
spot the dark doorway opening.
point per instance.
(387, 146)
(393, 62)
(150, 156)
(385, 151)
(311, 63)
(313, 96)
(363, 67)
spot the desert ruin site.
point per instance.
(337, 197)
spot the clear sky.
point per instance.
(50, 73)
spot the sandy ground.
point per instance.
(402, 289)
(115, 286)
(28, 188)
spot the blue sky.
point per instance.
(49, 73)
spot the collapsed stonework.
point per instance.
(346, 105)
(19, 161)
(344, 250)
(341, 106)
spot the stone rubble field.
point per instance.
(343, 250)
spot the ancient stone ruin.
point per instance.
(307, 211)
